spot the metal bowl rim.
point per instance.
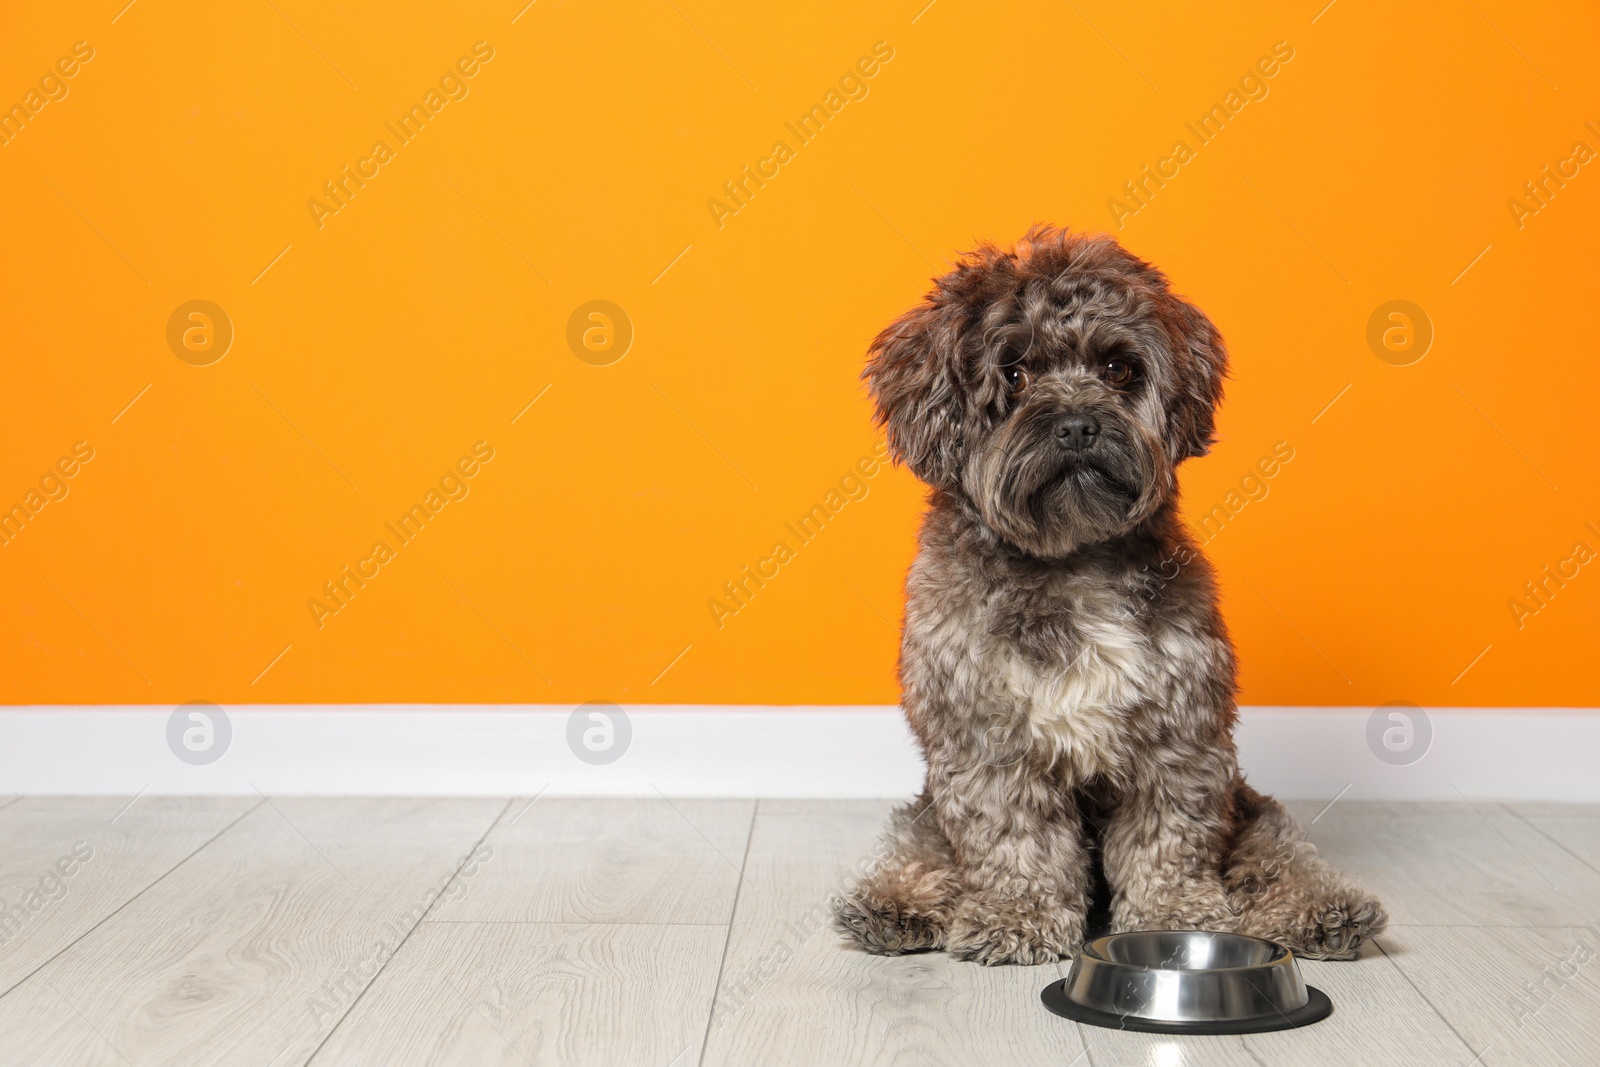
(1287, 954)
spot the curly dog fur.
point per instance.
(1064, 663)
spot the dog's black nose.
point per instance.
(1076, 432)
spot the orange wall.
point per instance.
(423, 316)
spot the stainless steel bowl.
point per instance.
(1186, 981)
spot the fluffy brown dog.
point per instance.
(1064, 664)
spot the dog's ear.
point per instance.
(914, 374)
(1202, 362)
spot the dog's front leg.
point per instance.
(1024, 870)
(1163, 848)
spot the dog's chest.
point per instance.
(1078, 676)
(1071, 666)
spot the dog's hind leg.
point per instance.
(904, 900)
(1285, 892)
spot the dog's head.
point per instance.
(1056, 387)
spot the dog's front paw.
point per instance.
(993, 931)
(1332, 926)
(883, 926)
(1336, 929)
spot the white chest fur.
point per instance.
(1078, 708)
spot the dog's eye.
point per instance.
(1119, 372)
(1016, 379)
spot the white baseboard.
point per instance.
(1294, 753)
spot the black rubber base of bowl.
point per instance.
(1317, 1008)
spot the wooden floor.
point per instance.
(279, 932)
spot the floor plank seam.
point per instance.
(115, 911)
(1083, 1039)
(414, 927)
(1536, 828)
(1476, 1054)
(733, 914)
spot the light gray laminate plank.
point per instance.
(41, 1027)
(1554, 808)
(793, 993)
(1455, 864)
(1126, 1048)
(537, 993)
(1578, 834)
(1378, 1019)
(612, 860)
(250, 951)
(1516, 995)
(111, 850)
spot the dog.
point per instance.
(1064, 664)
